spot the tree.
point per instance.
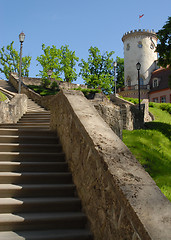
(60, 61)
(50, 60)
(10, 61)
(68, 61)
(120, 72)
(164, 47)
(97, 72)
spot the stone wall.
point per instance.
(37, 81)
(43, 101)
(109, 112)
(13, 110)
(118, 196)
(132, 118)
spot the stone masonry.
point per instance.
(120, 199)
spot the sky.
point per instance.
(77, 23)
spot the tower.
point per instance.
(139, 46)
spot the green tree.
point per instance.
(164, 47)
(97, 72)
(10, 61)
(60, 61)
(68, 62)
(120, 72)
(50, 60)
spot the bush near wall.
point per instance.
(162, 106)
(132, 100)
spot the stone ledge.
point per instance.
(13, 110)
(120, 199)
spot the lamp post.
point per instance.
(115, 65)
(49, 73)
(21, 38)
(138, 66)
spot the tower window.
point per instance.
(140, 44)
(152, 46)
(128, 81)
(128, 47)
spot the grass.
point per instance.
(2, 97)
(152, 147)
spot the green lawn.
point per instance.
(152, 147)
(2, 97)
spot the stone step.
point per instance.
(37, 190)
(27, 221)
(66, 234)
(27, 127)
(26, 132)
(23, 124)
(34, 120)
(29, 139)
(32, 156)
(35, 177)
(37, 113)
(50, 204)
(17, 147)
(33, 166)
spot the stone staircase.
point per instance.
(38, 199)
(7, 85)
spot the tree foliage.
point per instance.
(60, 61)
(120, 72)
(10, 61)
(97, 71)
(68, 62)
(164, 47)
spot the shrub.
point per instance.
(165, 107)
(54, 86)
(45, 82)
(132, 100)
(162, 106)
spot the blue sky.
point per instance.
(77, 23)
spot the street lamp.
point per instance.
(115, 65)
(21, 38)
(138, 66)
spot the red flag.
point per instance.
(140, 16)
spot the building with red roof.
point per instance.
(159, 86)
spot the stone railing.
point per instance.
(131, 117)
(13, 110)
(43, 101)
(120, 199)
(7, 93)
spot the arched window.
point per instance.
(128, 47)
(128, 81)
(140, 44)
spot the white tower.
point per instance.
(139, 46)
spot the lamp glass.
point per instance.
(114, 64)
(21, 37)
(49, 72)
(138, 65)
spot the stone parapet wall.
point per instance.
(38, 81)
(43, 101)
(131, 117)
(111, 115)
(12, 111)
(118, 196)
